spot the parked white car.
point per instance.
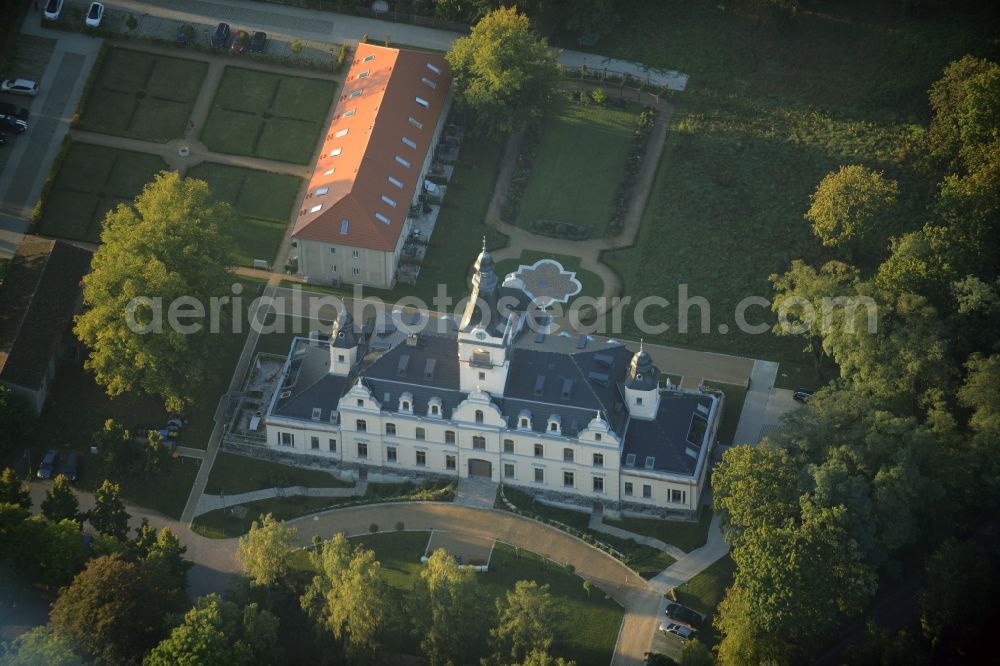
(94, 15)
(52, 9)
(19, 87)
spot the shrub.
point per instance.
(296, 46)
(599, 96)
(373, 528)
(342, 56)
(400, 526)
(131, 23)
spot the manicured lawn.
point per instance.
(735, 395)
(458, 235)
(645, 561)
(704, 592)
(585, 629)
(142, 95)
(165, 491)
(91, 181)
(220, 524)
(579, 165)
(591, 283)
(686, 536)
(766, 114)
(263, 201)
(234, 474)
(267, 115)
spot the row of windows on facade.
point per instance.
(434, 409)
(478, 442)
(569, 478)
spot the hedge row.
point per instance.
(633, 163)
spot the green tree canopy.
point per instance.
(37, 646)
(525, 618)
(966, 107)
(447, 611)
(60, 501)
(754, 488)
(265, 551)
(13, 490)
(172, 244)
(848, 204)
(347, 598)
(114, 610)
(109, 516)
(217, 632)
(503, 74)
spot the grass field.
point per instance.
(686, 536)
(704, 592)
(263, 202)
(234, 474)
(591, 283)
(766, 114)
(735, 396)
(221, 523)
(91, 181)
(644, 560)
(585, 629)
(142, 95)
(579, 165)
(267, 115)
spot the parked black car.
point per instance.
(684, 615)
(220, 36)
(257, 42)
(802, 396)
(48, 467)
(13, 117)
(70, 466)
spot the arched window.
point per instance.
(479, 416)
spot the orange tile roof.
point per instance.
(378, 127)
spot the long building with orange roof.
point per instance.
(353, 219)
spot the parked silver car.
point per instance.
(19, 87)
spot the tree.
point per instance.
(959, 597)
(963, 109)
(17, 418)
(525, 617)
(171, 245)
(12, 490)
(153, 453)
(217, 632)
(114, 444)
(108, 515)
(543, 658)
(265, 550)
(60, 502)
(502, 73)
(696, 653)
(165, 557)
(446, 611)
(754, 488)
(592, 20)
(981, 394)
(58, 550)
(803, 296)
(347, 598)
(114, 610)
(849, 203)
(40, 645)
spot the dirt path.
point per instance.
(589, 251)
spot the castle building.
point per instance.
(569, 419)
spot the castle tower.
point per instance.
(642, 386)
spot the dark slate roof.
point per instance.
(388, 393)
(665, 437)
(309, 383)
(574, 386)
(431, 362)
(37, 302)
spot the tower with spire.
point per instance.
(486, 334)
(642, 386)
(343, 344)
